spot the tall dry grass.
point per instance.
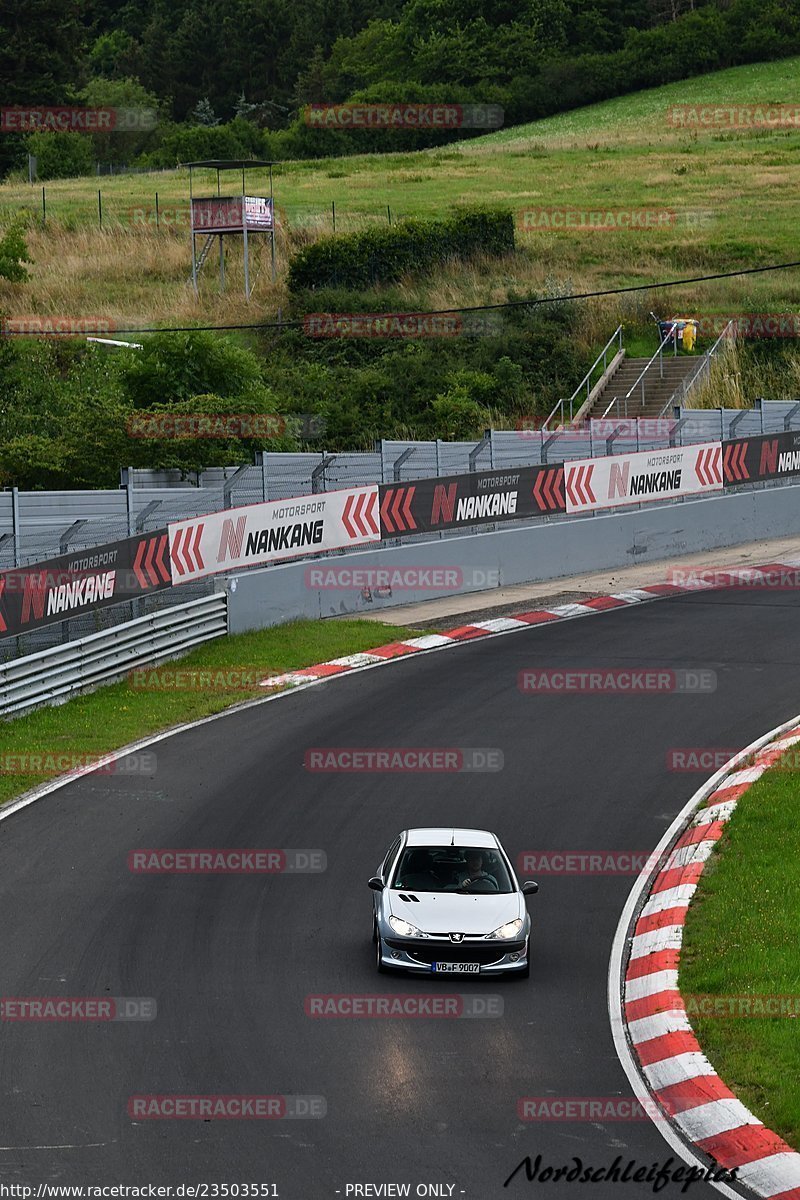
(739, 375)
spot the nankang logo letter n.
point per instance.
(231, 538)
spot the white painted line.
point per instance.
(772, 1175)
(635, 596)
(501, 624)
(748, 775)
(429, 641)
(355, 660)
(650, 985)
(715, 812)
(675, 897)
(615, 974)
(668, 938)
(570, 610)
(677, 1069)
(647, 1028)
(718, 1116)
(687, 856)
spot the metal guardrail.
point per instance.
(62, 671)
(703, 367)
(672, 336)
(586, 382)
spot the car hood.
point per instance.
(446, 912)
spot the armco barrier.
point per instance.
(520, 554)
(64, 670)
(275, 531)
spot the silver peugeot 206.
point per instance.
(446, 901)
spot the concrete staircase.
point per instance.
(657, 388)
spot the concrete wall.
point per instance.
(517, 555)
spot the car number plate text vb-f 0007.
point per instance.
(456, 968)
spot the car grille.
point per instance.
(465, 952)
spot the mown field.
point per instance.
(732, 193)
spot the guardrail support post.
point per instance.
(228, 484)
(787, 420)
(319, 473)
(126, 481)
(735, 422)
(679, 424)
(145, 513)
(15, 525)
(398, 462)
(546, 446)
(478, 449)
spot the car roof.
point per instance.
(448, 835)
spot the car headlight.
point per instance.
(507, 931)
(403, 928)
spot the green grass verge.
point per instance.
(115, 715)
(743, 938)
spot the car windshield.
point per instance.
(468, 870)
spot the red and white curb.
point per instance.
(651, 1011)
(481, 629)
(561, 612)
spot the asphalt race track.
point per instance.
(231, 959)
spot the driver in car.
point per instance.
(475, 870)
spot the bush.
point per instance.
(171, 368)
(13, 253)
(61, 155)
(384, 255)
(194, 143)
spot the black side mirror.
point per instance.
(376, 883)
(529, 888)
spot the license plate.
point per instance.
(457, 968)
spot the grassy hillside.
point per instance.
(734, 195)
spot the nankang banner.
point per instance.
(771, 456)
(621, 479)
(272, 531)
(83, 581)
(474, 498)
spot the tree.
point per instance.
(128, 95)
(41, 42)
(203, 113)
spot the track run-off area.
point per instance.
(231, 960)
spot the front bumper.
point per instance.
(419, 956)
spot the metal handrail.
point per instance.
(672, 336)
(704, 365)
(586, 381)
